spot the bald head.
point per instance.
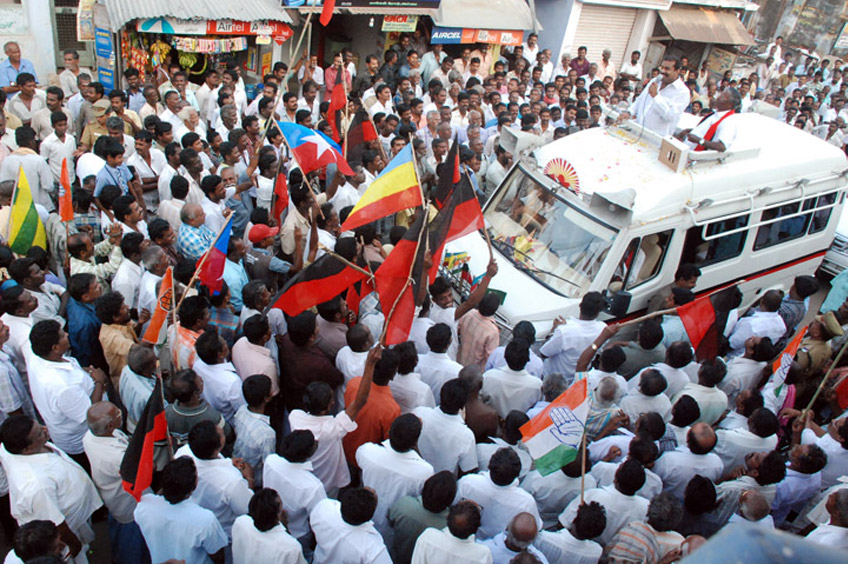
(701, 438)
(753, 505)
(472, 377)
(191, 214)
(521, 531)
(103, 417)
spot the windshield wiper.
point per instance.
(524, 266)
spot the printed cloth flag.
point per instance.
(212, 263)
(312, 149)
(553, 437)
(26, 229)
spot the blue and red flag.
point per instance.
(211, 264)
(312, 149)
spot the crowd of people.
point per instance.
(303, 439)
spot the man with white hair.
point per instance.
(605, 66)
(190, 122)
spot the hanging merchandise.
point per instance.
(158, 51)
(201, 45)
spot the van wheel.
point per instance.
(823, 276)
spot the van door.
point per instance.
(639, 269)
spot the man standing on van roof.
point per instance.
(662, 101)
(717, 131)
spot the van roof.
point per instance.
(610, 160)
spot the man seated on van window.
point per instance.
(717, 131)
(685, 278)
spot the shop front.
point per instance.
(197, 35)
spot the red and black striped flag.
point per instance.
(460, 215)
(338, 101)
(360, 133)
(705, 319)
(448, 177)
(319, 282)
(137, 466)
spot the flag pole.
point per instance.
(382, 339)
(203, 261)
(673, 309)
(331, 252)
(583, 464)
(347, 107)
(826, 376)
(12, 205)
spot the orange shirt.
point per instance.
(373, 421)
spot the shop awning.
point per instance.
(123, 11)
(485, 14)
(370, 7)
(705, 26)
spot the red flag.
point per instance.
(360, 133)
(137, 465)
(164, 305)
(327, 12)
(459, 216)
(66, 205)
(697, 317)
(398, 280)
(211, 264)
(705, 319)
(338, 101)
(356, 292)
(281, 193)
(319, 282)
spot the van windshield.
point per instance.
(551, 240)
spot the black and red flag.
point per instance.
(356, 292)
(360, 133)
(460, 215)
(705, 319)
(398, 281)
(137, 466)
(338, 101)
(327, 12)
(319, 282)
(448, 177)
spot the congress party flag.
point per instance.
(553, 437)
(26, 229)
(164, 305)
(312, 149)
(395, 189)
(780, 367)
(66, 202)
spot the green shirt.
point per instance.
(408, 518)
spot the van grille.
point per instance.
(840, 244)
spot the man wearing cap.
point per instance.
(815, 350)
(793, 308)
(260, 262)
(96, 128)
(605, 67)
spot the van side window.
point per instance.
(702, 252)
(642, 261)
(821, 217)
(785, 230)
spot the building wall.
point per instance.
(554, 15)
(29, 23)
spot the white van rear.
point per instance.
(598, 211)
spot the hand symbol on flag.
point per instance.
(566, 427)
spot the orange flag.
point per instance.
(164, 305)
(66, 206)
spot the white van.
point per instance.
(836, 258)
(598, 210)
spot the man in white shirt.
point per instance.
(260, 537)
(223, 485)
(712, 402)
(436, 367)
(645, 452)
(649, 397)
(344, 531)
(760, 436)
(512, 387)
(407, 388)
(45, 484)
(290, 474)
(213, 203)
(456, 542)
(173, 525)
(802, 481)
(744, 372)
(834, 534)
(632, 69)
(59, 146)
(716, 132)
(574, 542)
(445, 441)
(834, 443)
(663, 100)
(105, 445)
(766, 322)
(620, 501)
(329, 463)
(677, 356)
(677, 467)
(517, 539)
(37, 171)
(570, 338)
(498, 493)
(61, 390)
(555, 491)
(393, 469)
(221, 383)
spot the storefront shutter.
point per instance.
(604, 27)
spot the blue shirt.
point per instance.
(108, 175)
(8, 74)
(83, 331)
(236, 277)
